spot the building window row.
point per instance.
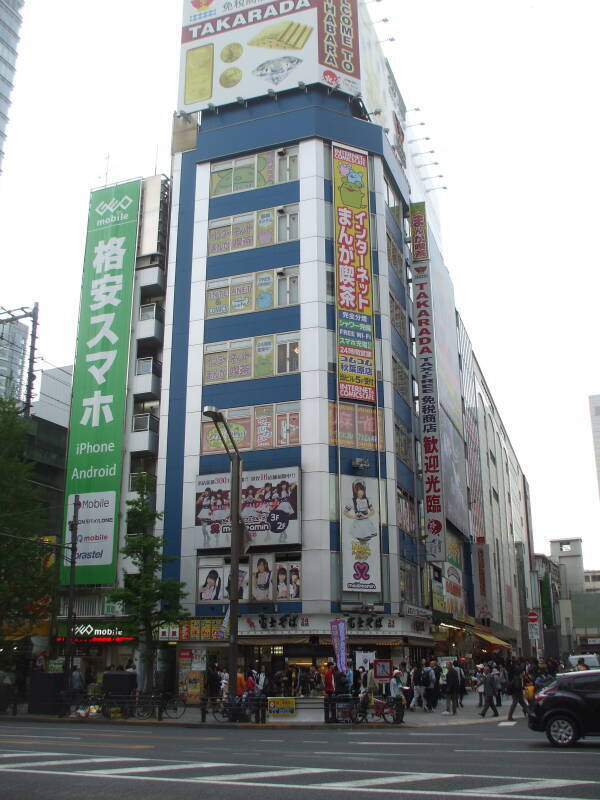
(255, 229)
(256, 428)
(255, 171)
(254, 357)
(257, 291)
(401, 381)
(402, 443)
(356, 426)
(398, 317)
(262, 577)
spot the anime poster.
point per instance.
(269, 507)
(210, 584)
(287, 581)
(262, 577)
(243, 582)
(361, 534)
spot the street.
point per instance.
(491, 759)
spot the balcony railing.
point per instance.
(148, 366)
(144, 422)
(148, 479)
(152, 311)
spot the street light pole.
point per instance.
(236, 545)
(73, 526)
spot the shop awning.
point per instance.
(260, 641)
(491, 639)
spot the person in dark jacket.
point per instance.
(452, 689)
(490, 685)
(515, 689)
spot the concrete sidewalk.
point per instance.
(310, 715)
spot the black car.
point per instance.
(568, 708)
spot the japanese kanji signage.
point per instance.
(354, 291)
(100, 379)
(431, 439)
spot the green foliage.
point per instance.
(26, 578)
(147, 600)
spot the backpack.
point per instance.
(421, 678)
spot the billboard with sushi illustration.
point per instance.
(240, 49)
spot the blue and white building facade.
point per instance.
(10, 25)
(294, 133)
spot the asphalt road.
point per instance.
(488, 760)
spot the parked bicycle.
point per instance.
(167, 703)
(381, 710)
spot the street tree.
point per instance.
(26, 574)
(147, 599)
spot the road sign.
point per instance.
(534, 631)
(532, 616)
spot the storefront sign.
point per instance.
(435, 518)
(281, 706)
(382, 670)
(270, 507)
(354, 291)
(249, 47)
(97, 422)
(361, 534)
(417, 611)
(168, 633)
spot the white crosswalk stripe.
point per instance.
(272, 773)
(410, 777)
(63, 762)
(535, 786)
(159, 768)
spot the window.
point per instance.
(243, 359)
(287, 223)
(330, 284)
(401, 380)
(402, 443)
(287, 164)
(254, 171)
(261, 228)
(357, 427)
(288, 353)
(258, 291)
(565, 547)
(393, 202)
(394, 256)
(256, 428)
(398, 317)
(287, 286)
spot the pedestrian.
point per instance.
(213, 683)
(581, 665)
(498, 679)
(371, 683)
(397, 695)
(515, 689)
(421, 680)
(405, 678)
(544, 678)
(489, 692)
(462, 683)
(479, 683)
(329, 701)
(452, 689)
(77, 685)
(434, 687)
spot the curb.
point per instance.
(247, 725)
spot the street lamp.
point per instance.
(213, 413)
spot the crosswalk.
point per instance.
(311, 779)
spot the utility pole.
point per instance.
(30, 370)
(69, 649)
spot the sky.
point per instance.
(508, 94)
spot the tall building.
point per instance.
(13, 353)
(10, 24)
(307, 299)
(595, 419)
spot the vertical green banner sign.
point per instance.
(94, 458)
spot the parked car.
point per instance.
(568, 708)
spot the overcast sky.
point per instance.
(508, 91)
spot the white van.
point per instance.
(591, 660)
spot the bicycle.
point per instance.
(169, 704)
(223, 711)
(382, 709)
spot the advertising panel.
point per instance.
(354, 291)
(247, 48)
(454, 475)
(339, 640)
(435, 519)
(99, 381)
(270, 507)
(482, 580)
(361, 548)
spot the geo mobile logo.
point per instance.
(114, 205)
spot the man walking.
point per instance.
(452, 689)
(515, 689)
(329, 685)
(422, 678)
(489, 692)
(434, 688)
